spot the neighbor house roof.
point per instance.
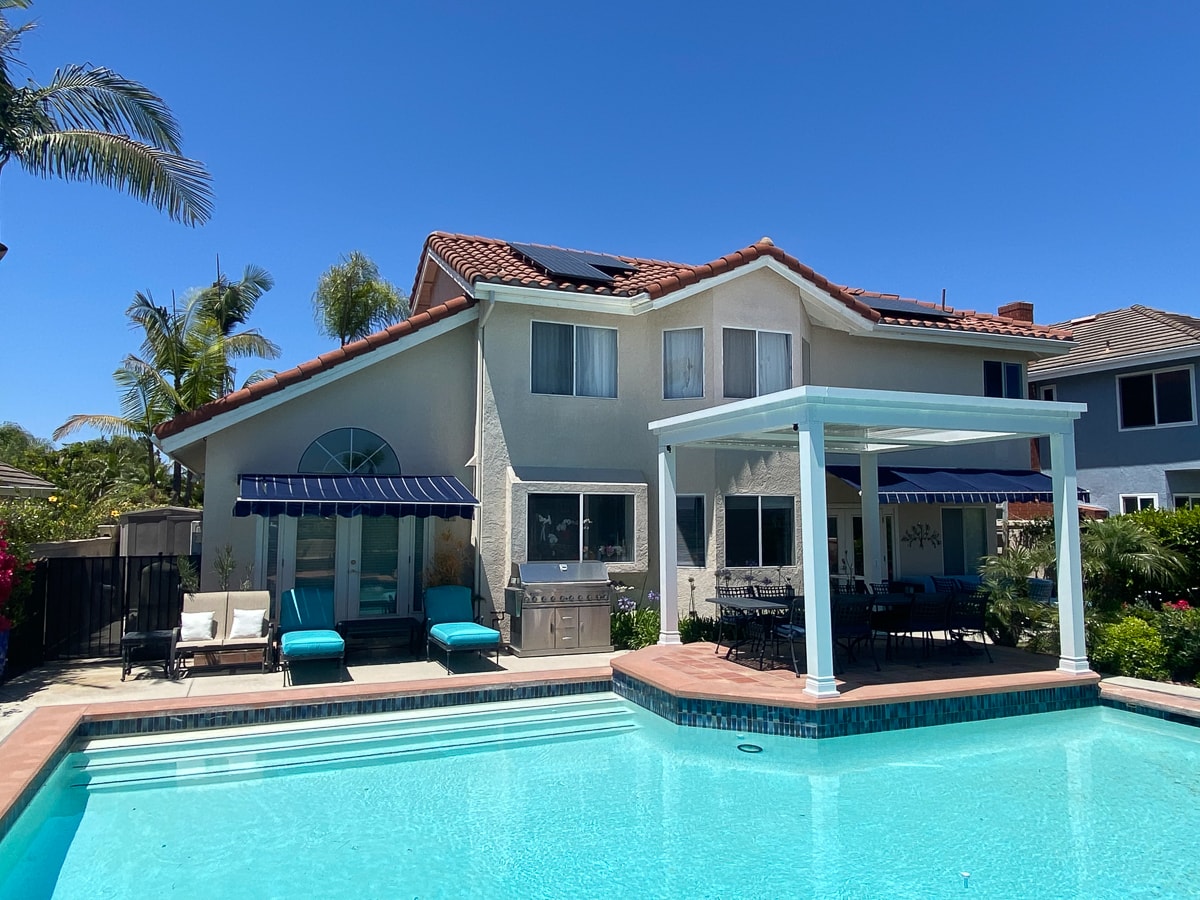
(1120, 337)
(481, 261)
(16, 482)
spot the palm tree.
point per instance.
(91, 124)
(186, 361)
(187, 352)
(141, 410)
(1121, 557)
(352, 300)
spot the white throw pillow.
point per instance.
(197, 626)
(247, 623)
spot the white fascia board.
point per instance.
(545, 298)
(449, 270)
(199, 432)
(828, 311)
(1115, 364)
(1040, 346)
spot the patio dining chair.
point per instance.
(732, 619)
(760, 628)
(788, 627)
(927, 613)
(851, 626)
(967, 618)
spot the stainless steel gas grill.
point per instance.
(559, 608)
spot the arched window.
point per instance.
(349, 451)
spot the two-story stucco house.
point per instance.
(508, 417)
(1139, 442)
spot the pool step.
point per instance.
(248, 751)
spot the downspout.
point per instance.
(479, 394)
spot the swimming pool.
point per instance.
(595, 797)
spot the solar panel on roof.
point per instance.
(573, 263)
(905, 307)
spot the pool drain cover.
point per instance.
(749, 748)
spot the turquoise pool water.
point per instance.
(596, 798)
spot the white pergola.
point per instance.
(814, 421)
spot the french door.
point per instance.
(373, 564)
(846, 545)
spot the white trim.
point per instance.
(1041, 389)
(1193, 500)
(1112, 364)
(547, 298)
(759, 526)
(1153, 498)
(758, 392)
(1190, 369)
(176, 442)
(449, 270)
(1022, 386)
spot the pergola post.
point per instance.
(1073, 652)
(814, 535)
(668, 549)
(868, 467)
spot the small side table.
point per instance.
(156, 642)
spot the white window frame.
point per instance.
(758, 392)
(703, 526)
(1153, 498)
(1004, 369)
(1191, 370)
(575, 361)
(1051, 389)
(1191, 501)
(758, 524)
(703, 386)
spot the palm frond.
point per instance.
(87, 99)
(103, 423)
(258, 375)
(172, 184)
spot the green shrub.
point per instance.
(1180, 631)
(634, 629)
(694, 628)
(1130, 646)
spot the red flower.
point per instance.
(1180, 604)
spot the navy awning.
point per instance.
(354, 495)
(912, 484)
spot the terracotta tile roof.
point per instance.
(481, 260)
(307, 370)
(1121, 336)
(959, 319)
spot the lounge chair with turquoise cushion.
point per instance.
(306, 632)
(449, 623)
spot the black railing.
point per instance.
(78, 607)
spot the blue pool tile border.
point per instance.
(843, 721)
(1144, 709)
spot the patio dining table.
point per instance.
(748, 606)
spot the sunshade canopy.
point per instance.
(422, 496)
(915, 484)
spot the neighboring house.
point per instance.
(526, 377)
(1138, 445)
(16, 482)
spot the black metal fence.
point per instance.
(79, 606)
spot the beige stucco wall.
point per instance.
(421, 402)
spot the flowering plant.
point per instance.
(10, 565)
(1180, 604)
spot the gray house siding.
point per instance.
(1163, 461)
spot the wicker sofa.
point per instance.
(224, 630)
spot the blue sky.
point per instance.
(1001, 151)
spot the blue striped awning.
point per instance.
(912, 484)
(354, 495)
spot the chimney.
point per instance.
(1019, 310)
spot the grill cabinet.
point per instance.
(560, 608)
